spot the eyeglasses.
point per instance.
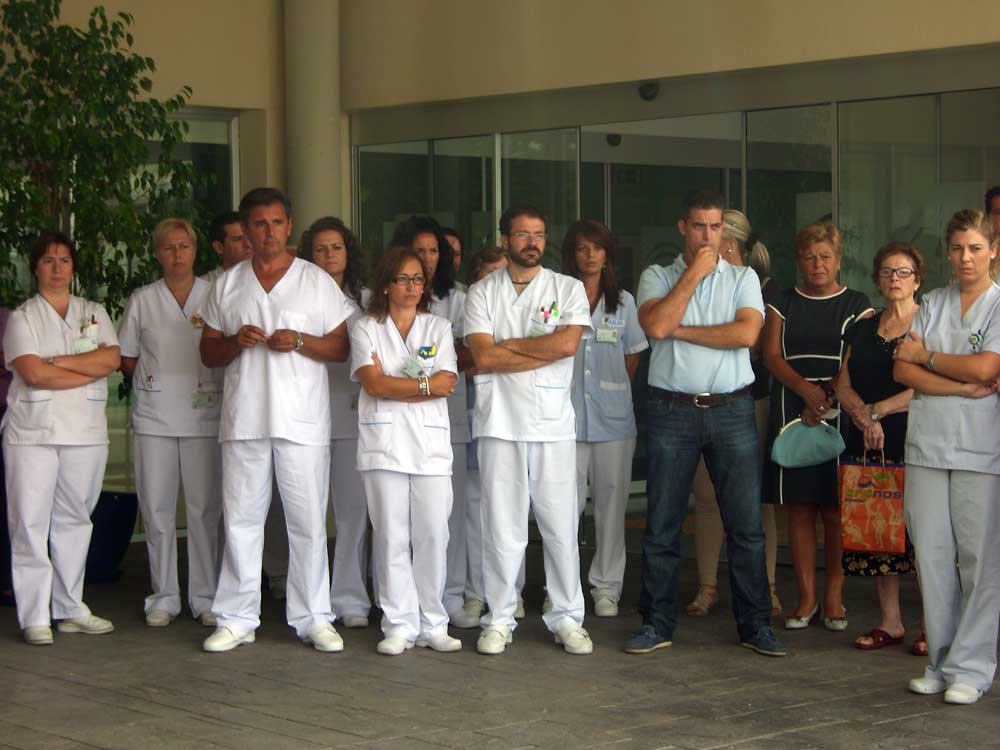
(903, 273)
(537, 236)
(404, 280)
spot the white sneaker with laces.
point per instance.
(38, 635)
(440, 642)
(394, 645)
(605, 606)
(325, 638)
(574, 640)
(226, 639)
(493, 640)
(158, 618)
(88, 624)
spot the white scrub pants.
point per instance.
(607, 467)
(162, 464)
(51, 492)
(458, 549)
(275, 559)
(409, 514)
(348, 583)
(303, 475)
(953, 518)
(474, 531)
(518, 476)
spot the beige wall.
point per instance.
(229, 51)
(397, 52)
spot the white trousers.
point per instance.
(162, 465)
(51, 492)
(409, 514)
(607, 468)
(458, 541)
(953, 518)
(474, 532)
(303, 476)
(275, 559)
(348, 582)
(518, 477)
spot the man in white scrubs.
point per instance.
(274, 322)
(523, 324)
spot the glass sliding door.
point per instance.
(970, 148)
(789, 177)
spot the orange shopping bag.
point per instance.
(871, 506)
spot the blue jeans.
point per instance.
(677, 435)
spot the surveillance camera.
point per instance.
(649, 91)
(614, 139)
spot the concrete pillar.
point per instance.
(313, 117)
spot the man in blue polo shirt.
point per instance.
(703, 315)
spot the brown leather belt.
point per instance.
(701, 400)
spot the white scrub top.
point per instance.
(269, 394)
(602, 390)
(412, 438)
(212, 275)
(74, 416)
(452, 307)
(175, 394)
(532, 406)
(344, 392)
(952, 432)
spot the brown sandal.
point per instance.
(704, 600)
(919, 647)
(879, 638)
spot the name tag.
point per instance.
(85, 344)
(606, 335)
(412, 368)
(204, 400)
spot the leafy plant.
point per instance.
(76, 121)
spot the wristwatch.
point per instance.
(929, 364)
(875, 416)
(299, 341)
(50, 361)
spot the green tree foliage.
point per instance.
(76, 120)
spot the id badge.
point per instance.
(204, 400)
(606, 335)
(85, 344)
(412, 368)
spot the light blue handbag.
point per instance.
(799, 445)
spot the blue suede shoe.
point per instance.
(646, 639)
(765, 642)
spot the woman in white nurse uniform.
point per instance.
(951, 358)
(405, 360)
(424, 235)
(175, 425)
(61, 349)
(605, 364)
(333, 247)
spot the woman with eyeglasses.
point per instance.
(878, 406)
(404, 358)
(175, 426)
(333, 247)
(61, 348)
(803, 348)
(601, 392)
(951, 359)
(430, 241)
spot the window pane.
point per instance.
(789, 178)
(970, 148)
(540, 169)
(463, 191)
(888, 185)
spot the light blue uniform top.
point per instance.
(602, 391)
(690, 368)
(953, 432)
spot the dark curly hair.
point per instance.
(404, 235)
(352, 274)
(600, 235)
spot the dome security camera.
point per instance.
(649, 91)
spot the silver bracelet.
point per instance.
(425, 386)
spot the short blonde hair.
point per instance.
(166, 226)
(821, 231)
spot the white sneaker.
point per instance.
(277, 585)
(961, 694)
(519, 611)
(158, 618)
(394, 645)
(354, 621)
(574, 640)
(927, 685)
(493, 640)
(474, 607)
(88, 624)
(38, 635)
(325, 638)
(440, 642)
(208, 619)
(605, 606)
(226, 639)
(463, 619)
